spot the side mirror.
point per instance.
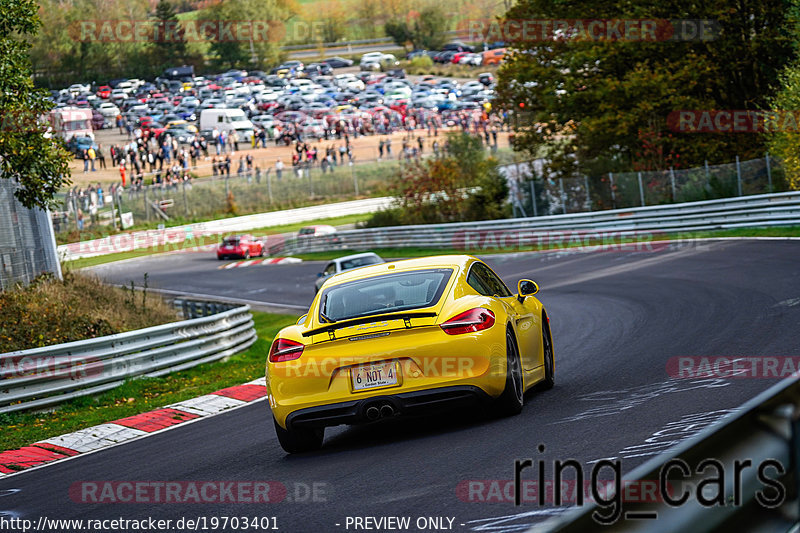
(526, 287)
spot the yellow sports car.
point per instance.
(406, 338)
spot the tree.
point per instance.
(602, 104)
(332, 17)
(462, 185)
(785, 145)
(259, 51)
(38, 163)
(171, 48)
(424, 30)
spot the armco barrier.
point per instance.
(767, 210)
(181, 236)
(763, 437)
(45, 376)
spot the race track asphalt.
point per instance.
(617, 319)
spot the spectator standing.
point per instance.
(279, 168)
(101, 156)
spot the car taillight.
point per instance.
(285, 350)
(470, 321)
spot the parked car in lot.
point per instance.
(77, 145)
(244, 246)
(494, 57)
(347, 262)
(338, 62)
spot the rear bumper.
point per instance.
(416, 403)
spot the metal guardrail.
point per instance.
(767, 428)
(52, 374)
(765, 210)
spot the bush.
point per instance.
(49, 311)
(422, 61)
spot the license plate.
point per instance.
(373, 375)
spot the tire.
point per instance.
(549, 363)
(261, 252)
(510, 402)
(299, 440)
(247, 254)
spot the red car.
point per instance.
(104, 91)
(244, 246)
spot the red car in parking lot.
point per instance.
(244, 246)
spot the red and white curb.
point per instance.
(123, 430)
(262, 262)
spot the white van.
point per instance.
(68, 122)
(227, 120)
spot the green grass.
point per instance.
(145, 394)
(285, 228)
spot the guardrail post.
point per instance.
(613, 193)
(739, 175)
(563, 196)
(641, 189)
(672, 181)
(769, 172)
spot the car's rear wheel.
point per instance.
(549, 364)
(299, 440)
(510, 402)
(247, 254)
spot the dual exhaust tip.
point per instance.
(374, 412)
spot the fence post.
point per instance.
(613, 193)
(769, 173)
(672, 181)
(185, 202)
(588, 202)
(533, 198)
(563, 196)
(708, 173)
(739, 175)
(641, 189)
(269, 185)
(144, 196)
(119, 207)
(355, 181)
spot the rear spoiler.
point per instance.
(406, 317)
